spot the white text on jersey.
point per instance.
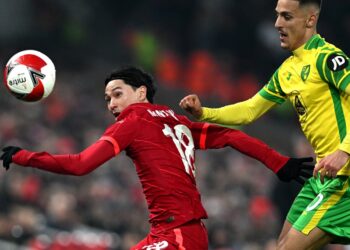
(162, 113)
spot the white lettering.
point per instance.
(338, 61)
(172, 113)
(162, 113)
(152, 113)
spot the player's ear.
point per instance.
(142, 93)
(311, 21)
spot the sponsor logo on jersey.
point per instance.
(299, 106)
(336, 62)
(305, 72)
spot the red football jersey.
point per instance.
(161, 145)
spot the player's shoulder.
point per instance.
(332, 57)
(129, 115)
(322, 47)
(149, 111)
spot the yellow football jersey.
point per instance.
(314, 80)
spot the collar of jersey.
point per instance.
(139, 107)
(300, 51)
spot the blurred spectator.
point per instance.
(213, 48)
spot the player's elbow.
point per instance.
(247, 120)
(250, 117)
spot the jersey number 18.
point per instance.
(183, 141)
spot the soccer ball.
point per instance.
(30, 75)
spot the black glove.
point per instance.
(296, 169)
(6, 157)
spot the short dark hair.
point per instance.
(134, 77)
(316, 2)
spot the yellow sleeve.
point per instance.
(345, 145)
(239, 113)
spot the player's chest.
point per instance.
(301, 80)
(303, 87)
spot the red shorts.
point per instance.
(190, 236)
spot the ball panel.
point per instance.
(36, 94)
(49, 80)
(30, 75)
(19, 80)
(32, 61)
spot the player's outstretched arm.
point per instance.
(239, 113)
(286, 168)
(71, 164)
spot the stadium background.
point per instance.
(223, 50)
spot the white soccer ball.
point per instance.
(30, 75)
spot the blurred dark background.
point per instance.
(223, 50)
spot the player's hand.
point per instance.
(6, 157)
(331, 164)
(192, 105)
(299, 169)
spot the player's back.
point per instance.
(162, 149)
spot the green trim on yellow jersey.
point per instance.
(314, 43)
(271, 90)
(338, 113)
(344, 82)
(340, 78)
(315, 79)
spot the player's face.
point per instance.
(291, 23)
(119, 95)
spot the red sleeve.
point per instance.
(208, 136)
(72, 164)
(122, 133)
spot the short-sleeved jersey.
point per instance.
(314, 80)
(162, 148)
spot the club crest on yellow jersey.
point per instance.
(305, 72)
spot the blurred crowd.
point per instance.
(223, 50)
